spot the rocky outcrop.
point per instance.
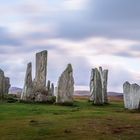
(65, 88)
(28, 84)
(4, 84)
(98, 86)
(131, 96)
(37, 91)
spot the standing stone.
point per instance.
(65, 88)
(98, 86)
(131, 96)
(48, 87)
(102, 81)
(4, 84)
(92, 84)
(104, 85)
(98, 99)
(37, 91)
(2, 81)
(135, 96)
(52, 89)
(28, 85)
(126, 95)
(7, 84)
(41, 72)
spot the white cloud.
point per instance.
(74, 4)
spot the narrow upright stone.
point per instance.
(7, 84)
(104, 85)
(52, 89)
(2, 82)
(92, 85)
(41, 71)
(135, 96)
(65, 88)
(126, 95)
(98, 88)
(28, 84)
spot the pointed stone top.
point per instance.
(69, 68)
(100, 68)
(1, 71)
(29, 64)
(126, 83)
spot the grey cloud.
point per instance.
(112, 19)
(7, 39)
(124, 54)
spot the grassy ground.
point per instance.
(19, 121)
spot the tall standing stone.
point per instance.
(131, 96)
(92, 85)
(7, 84)
(98, 86)
(98, 99)
(104, 85)
(41, 71)
(65, 88)
(2, 81)
(126, 95)
(4, 84)
(52, 89)
(28, 85)
(48, 87)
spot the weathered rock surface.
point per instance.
(4, 84)
(7, 84)
(28, 84)
(98, 86)
(50, 88)
(104, 78)
(92, 77)
(41, 72)
(65, 88)
(37, 91)
(131, 96)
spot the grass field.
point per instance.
(83, 121)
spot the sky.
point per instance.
(85, 33)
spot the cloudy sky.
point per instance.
(86, 33)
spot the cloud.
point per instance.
(83, 54)
(86, 33)
(72, 19)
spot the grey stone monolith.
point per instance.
(65, 88)
(41, 72)
(131, 94)
(98, 86)
(28, 84)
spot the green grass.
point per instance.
(83, 121)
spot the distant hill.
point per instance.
(15, 90)
(87, 93)
(82, 93)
